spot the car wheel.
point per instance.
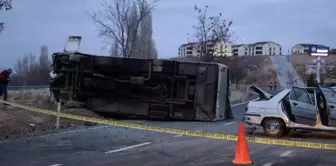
(274, 127)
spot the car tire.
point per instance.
(274, 127)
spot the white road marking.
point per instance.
(74, 131)
(1, 142)
(229, 123)
(56, 165)
(233, 105)
(268, 164)
(128, 147)
(180, 135)
(286, 153)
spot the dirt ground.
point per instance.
(16, 122)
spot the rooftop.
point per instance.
(254, 44)
(311, 44)
(194, 43)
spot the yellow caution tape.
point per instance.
(178, 131)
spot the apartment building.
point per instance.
(219, 48)
(258, 48)
(303, 48)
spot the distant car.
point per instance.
(310, 108)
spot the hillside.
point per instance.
(300, 61)
(259, 69)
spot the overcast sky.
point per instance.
(32, 23)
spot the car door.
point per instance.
(330, 97)
(302, 106)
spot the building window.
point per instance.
(258, 52)
(189, 52)
(210, 50)
(189, 48)
(258, 48)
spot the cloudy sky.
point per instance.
(32, 23)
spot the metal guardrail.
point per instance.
(28, 87)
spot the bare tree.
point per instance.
(4, 5)
(210, 29)
(147, 44)
(24, 66)
(117, 21)
(154, 53)
(114, 51)
(30, 70)
(44, 66)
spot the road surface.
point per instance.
(109, 146)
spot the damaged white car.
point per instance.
(297, 108)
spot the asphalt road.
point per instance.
(109, 145)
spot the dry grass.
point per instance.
(260, 68)
(14, 121)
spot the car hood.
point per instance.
(263, 95)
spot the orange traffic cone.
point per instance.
(242, 154)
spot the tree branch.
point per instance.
(119, 21)
(212, 29)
